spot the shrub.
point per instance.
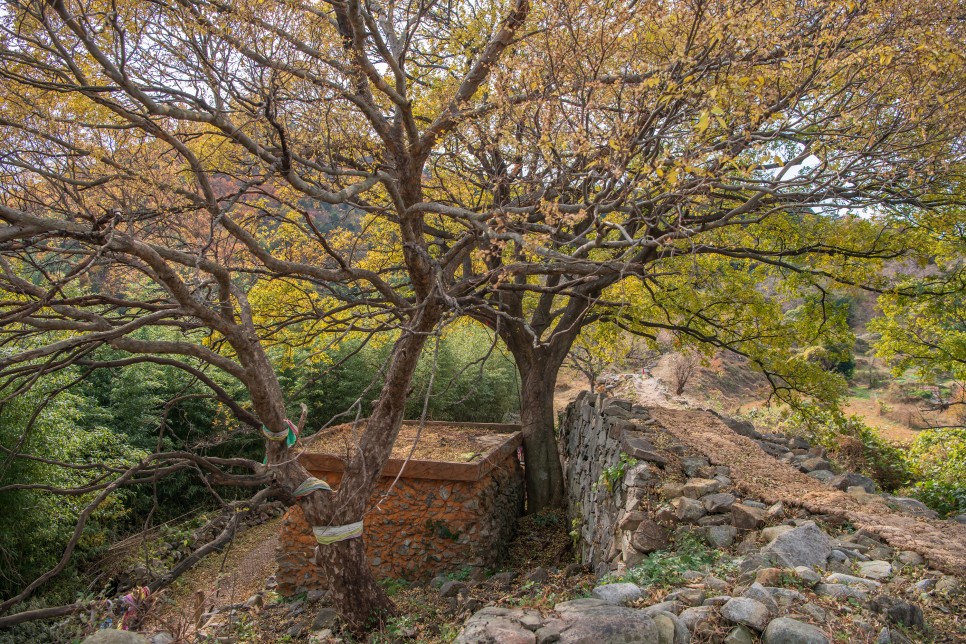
(937, 460)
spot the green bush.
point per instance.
(937, 460)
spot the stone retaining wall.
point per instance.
(607, 495)
(438, 517)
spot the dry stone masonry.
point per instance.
(635, 489)
(438, 517)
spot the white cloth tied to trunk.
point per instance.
(334, 534)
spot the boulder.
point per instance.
(807, 575)
(840, 591)
(113, 636)
(671, 630)
(899, 611)
(849, 580)
(822, 475)
(591, 620)
(718, 503)
(687, 509)
(493, 625)
(663, 607)
(814, 463)
(693, 617)
(772, 533)
(697, 488)
(648, 537)
(720, 536)
(747, 611)
(852, 479)
(911, 506)
(692, 464)
(617, 594)
(785, 630)
(875, 569)
(806, 545)
(910, 558)
(739, 635)
(760, 594)
(746, 517)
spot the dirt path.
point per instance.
(755, 473)
(227, 578)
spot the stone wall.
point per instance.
(606, 495)
(424, 526)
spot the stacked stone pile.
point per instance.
(790, 571)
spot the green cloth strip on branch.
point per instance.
(310, 485)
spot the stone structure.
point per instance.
(608, 496)
(438, 517)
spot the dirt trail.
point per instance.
(755, 473)
(225, 579)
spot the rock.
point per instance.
(502, 579)
(639, 475)
(327, 617)
(114, 636)
(746, 517)
(824, 476)
(768, 576)
(720, 536)
(295, 630)
(806, 545)
(718, 503)
(910, 558)
(814, 463)
(760, 594)
(785, 630)
(640, 448)
(949, 586)
(959, 518)
(875, 569)
(899, 611)
(663, 607)
(719, 600)
(840, 591)
(453, 588)
(772, 533)
(718, 585)
(591, 620)
(438, 581)
(671, 630)
(749, 544)
(849, 580)
(537, 575)
(671, 490)
(496, 626)
(548, 634)
(807, 575)
(687, 596)
(255, 601)
(694, 617)
(630, 520)
(911, 506)
(687, 509)
(775, 511)
(814, 611)
(162, 638)
(648, 537)
(785, 596)
(925, 585)
(692, 464)
(747, 611)
(697, 488)
(739, 635)
(715, 519)
(617, 594)
(852, 479)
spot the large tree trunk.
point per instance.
(544, 475)
(362, 602)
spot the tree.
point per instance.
(509, 161)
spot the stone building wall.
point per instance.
(423, 527)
